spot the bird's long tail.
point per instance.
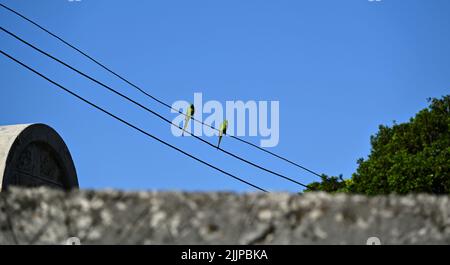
(185, 125)
(218, 145)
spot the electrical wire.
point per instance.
(153, 97)
(129, 124)
(148, 109)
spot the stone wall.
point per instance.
(46, 216)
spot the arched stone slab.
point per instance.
(34, 155)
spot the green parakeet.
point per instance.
(189, 113)
(222, 131)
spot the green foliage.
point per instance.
(328, 184)
(408, 157)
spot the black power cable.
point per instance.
(153, 97)
(147, 109)
(131, 125)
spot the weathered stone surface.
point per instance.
(45, 216)
(34, 155)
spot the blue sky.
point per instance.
(338, 68)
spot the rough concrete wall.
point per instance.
(44, 216)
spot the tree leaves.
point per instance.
(407, 157)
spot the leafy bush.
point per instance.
(408, 157)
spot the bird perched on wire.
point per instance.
(222, 131)
(189, 115)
